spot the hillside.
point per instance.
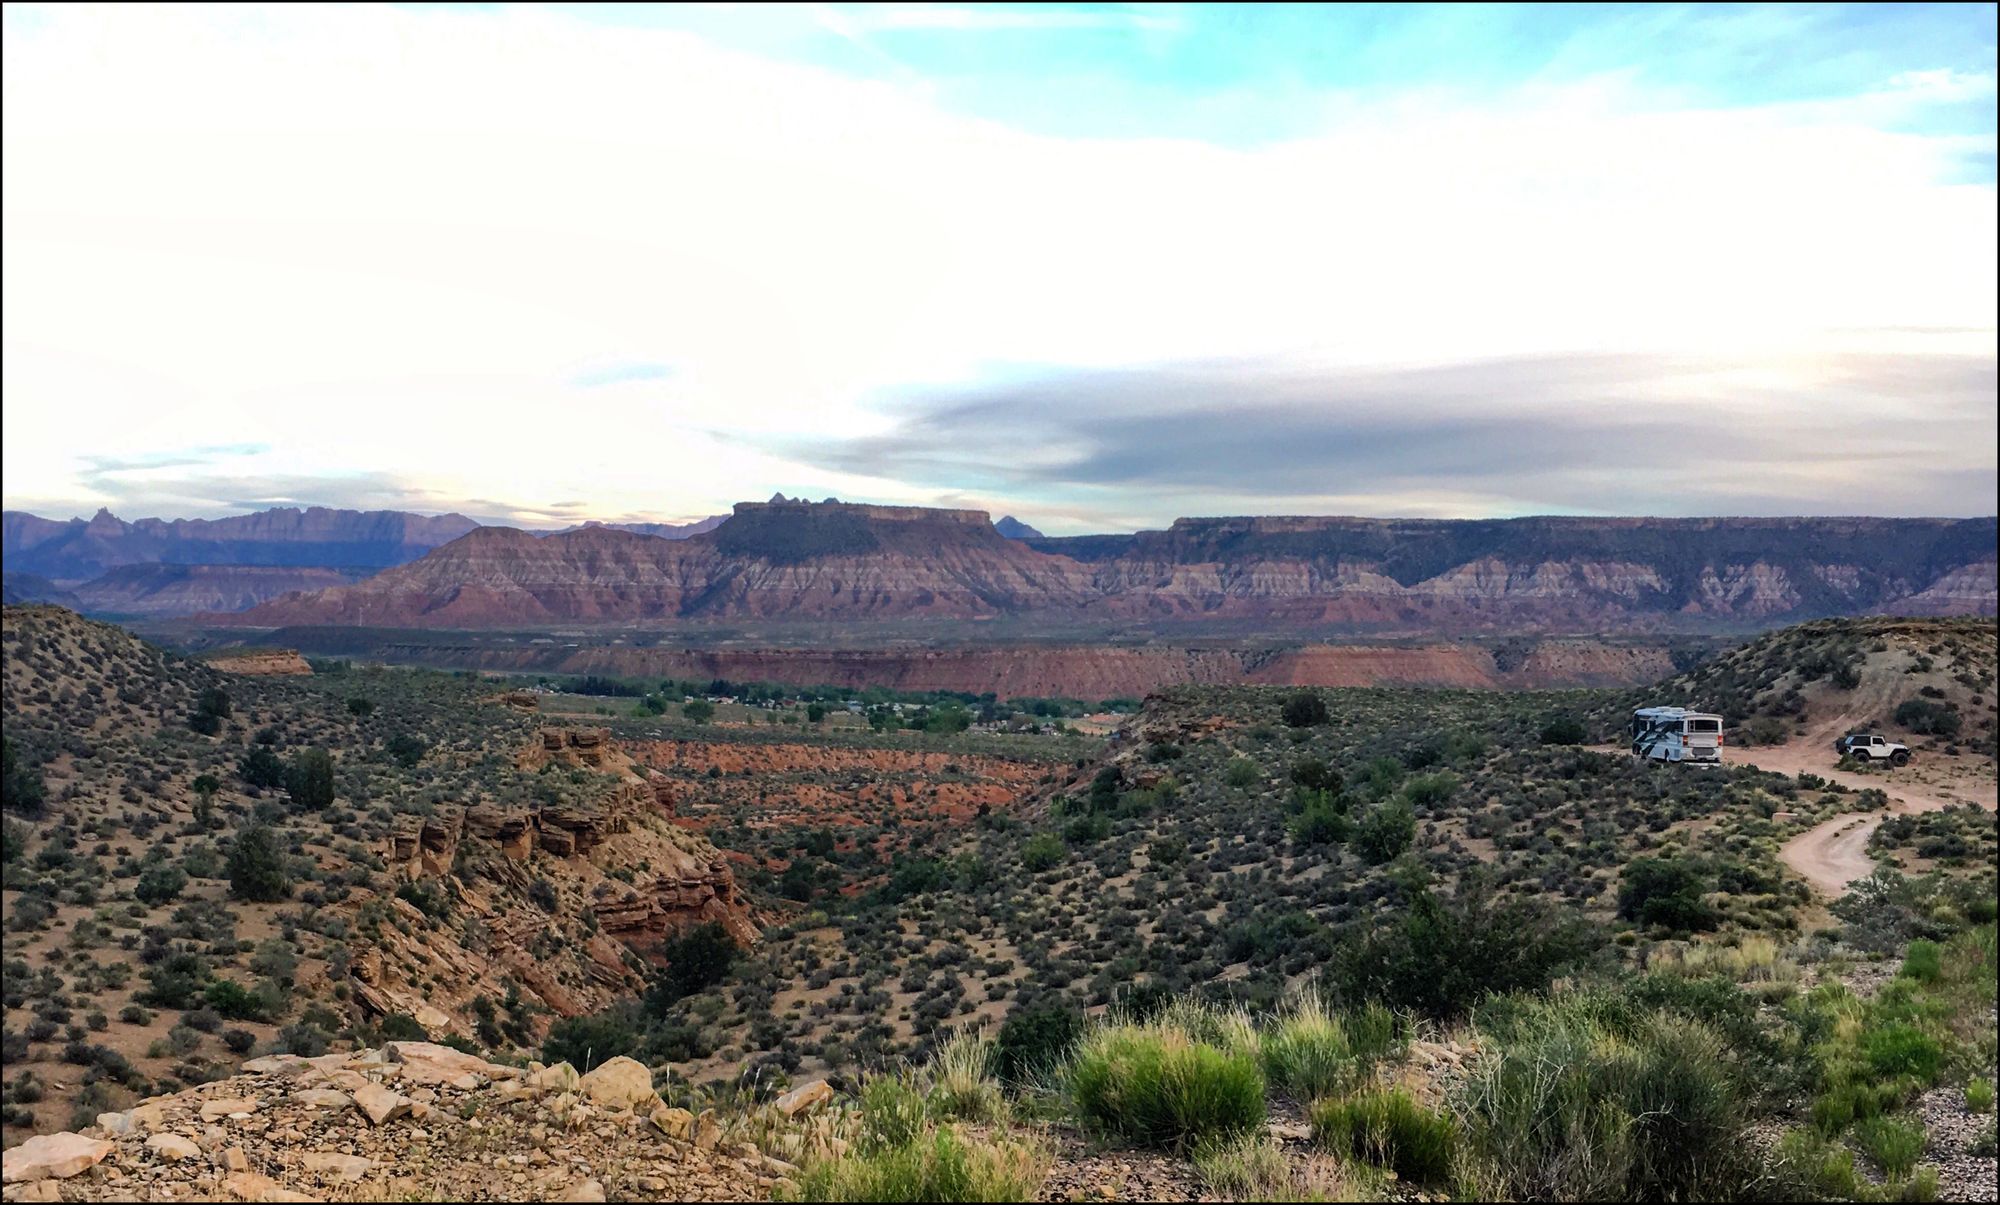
(161, 590)
(842, 562)
(1343, 900)
(1917, 678)
(457, 869)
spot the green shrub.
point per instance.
(256, 870)
(309, 780)
(584, 1042)
(942, 1166)
(1388, 1129)
(1564, 730)
(1315, 775)
(1036, 1040)
(1979, 1095)
(1928, 718)
(1892, 1144)
(160, 883)
(1899, 1048)
(1578, 1102)
(961, 1080)
(1665, 891)
(893, 1113)
(1043, 851)
(1311, 1053)
(1241, 772)
(1153, 1086)
(1304, 709)
(1321, 823)
(697, 959)
(1386, 831)
(1924, 962)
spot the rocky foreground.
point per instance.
(415, 1121)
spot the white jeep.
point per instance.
(1872, 746)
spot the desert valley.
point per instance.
(974, 601)
(815, 807)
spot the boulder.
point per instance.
(336, 1166)
(322, 1098)
(234, 1160)
(51, 1157)
(619, 1083)
(380, 1105)
(560, 1078)
(39, 1191)
(172, 1147)
(249, 1186)
(804, 1097)
(430, 1063)
(228, 1106)
(674, 1123)
(583, 1190)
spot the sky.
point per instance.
(1096, 266)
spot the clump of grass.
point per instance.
(1893, 1144)
(1979, 1095)
(1312, 1053)
(905, 1149)
(1388, 1129)
(940, 1165)
(1816, 1169)
(1755, 962)
(1242, 1167)
(962, 1085)
(1158, 1085)
(1924, 962)
(1572, 1102)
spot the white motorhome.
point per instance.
(1676, 734)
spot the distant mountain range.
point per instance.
(845, 562)
(159, 568)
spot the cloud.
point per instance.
(620, 372)
(404, 276)
(1590, 433)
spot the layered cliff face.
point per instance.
(77, 550)
(844, 562)
(157, 590)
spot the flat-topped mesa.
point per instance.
(868, 510)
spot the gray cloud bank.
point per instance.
(1878, 434)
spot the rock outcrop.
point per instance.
(282, 662)
(415, 1121)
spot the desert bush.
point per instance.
(1043, 851)
(1666, 892)
(1564, 730)
(1894, 1145)
(961, 1079)
(901, 1158)
(584, 1042)
(159, 883)
(1036, 1040)
(1575, 1102)
(1304, 709)
(1385, 831)
(697, 959)
(1311, 1053)
(1387, 1128)
(1926, 717)
(1442, 957)
(1155, 1086)
(256, 867)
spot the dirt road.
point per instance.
(1834, 854)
